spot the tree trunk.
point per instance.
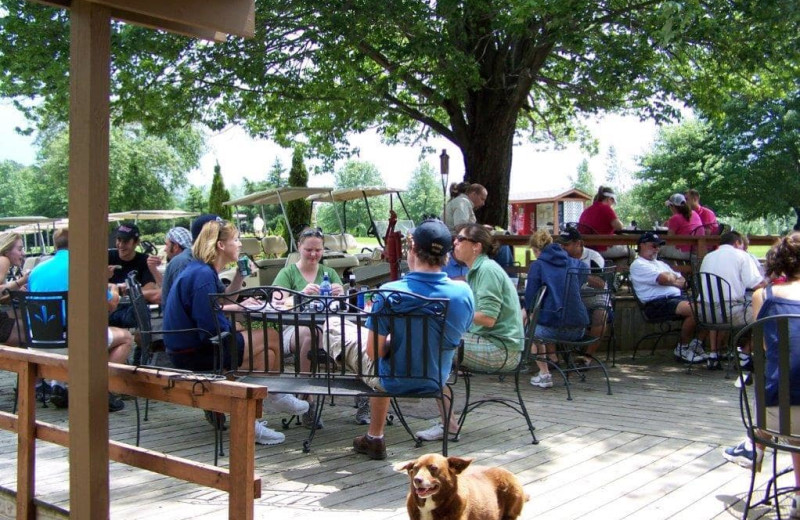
(487, 161)
(797, 224)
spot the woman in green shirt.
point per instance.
(495, 339)
(306, 276)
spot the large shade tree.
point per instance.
(481, 73)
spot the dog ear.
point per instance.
(402, 467)
(459, 464)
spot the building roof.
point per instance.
(547, 196)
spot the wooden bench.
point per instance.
(338, 364)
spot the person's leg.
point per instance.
(541, 351)
(597, 329)
(257, 360)
(379, 409)
(120, 344)
(684, 310)
(305, 338)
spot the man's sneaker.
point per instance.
(542, 380)
(287, 403)
(712, 362)
(687, 354)
(372, 448)
(745, 361)
(696, 346)
(266, 435)
(362, 413)
(217, 420)
(115, 404)
(434, 433)
(744, 455)
(59, 397)
(307, 419)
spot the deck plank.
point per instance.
(651, 450)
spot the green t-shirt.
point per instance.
(290, 277)
(496, 297)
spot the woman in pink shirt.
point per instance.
(684, 221)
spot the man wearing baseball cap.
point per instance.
(431, 241)
(659, 288)
(123, 260)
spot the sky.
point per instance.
(532, 170)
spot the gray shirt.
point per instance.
(174, 268)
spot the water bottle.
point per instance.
(325, 286)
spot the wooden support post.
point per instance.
(90, 42)
(242, 458)
(26, 443)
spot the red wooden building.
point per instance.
(545, 210)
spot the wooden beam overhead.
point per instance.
(206, 19)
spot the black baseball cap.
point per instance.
(570, 234)
(127, 231)
(650, 237)
(433, 237)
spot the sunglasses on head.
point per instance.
(312, 233)
(461, 238)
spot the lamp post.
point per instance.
(444, 170)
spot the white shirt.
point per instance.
(459, 211)
(644, 274)
(589, 256)
(736, 267)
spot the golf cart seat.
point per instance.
(250, 246)
(341, 242)
(274, 245)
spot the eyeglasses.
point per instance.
(461, 238)
(312, 233)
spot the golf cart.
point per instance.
(274, 246)
(374, 267)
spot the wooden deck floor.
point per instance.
(651, 450)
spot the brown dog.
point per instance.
(448, 489)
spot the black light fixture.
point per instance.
(444, 170)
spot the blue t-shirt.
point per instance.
(52, 275)
(460, 310)
(188, 307)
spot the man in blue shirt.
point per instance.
(52, 276)
(431, 241)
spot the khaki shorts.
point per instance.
(482, 354)
(772, 418)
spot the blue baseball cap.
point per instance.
(199, 222)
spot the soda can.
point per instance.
(243, 264)
(362, 295)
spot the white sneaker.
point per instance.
(434, 433)
(542, 380)
(287, 403)
(268, 436)
(687, 354)
(696, 346)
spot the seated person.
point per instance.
(495, 340)
(53, 276)
(123, 260)
(598, 300)
(600, 218)
(188, 307)
(431, 241)
(558, 319)
(306, 276)
(775, 299)
(659, 288)
(684, 221)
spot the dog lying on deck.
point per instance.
(450, 489)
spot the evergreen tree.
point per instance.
(424, 194)
(195, 200)
(298, 211)
(584, 181)
(218, 195)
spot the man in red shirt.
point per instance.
(707, 217)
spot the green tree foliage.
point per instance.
(144, 171)
(478, 72)
(355, 174)
(11, 178)
(298, 211)
(196, 200)
(218, 195)
(424, 195)
(584, 180)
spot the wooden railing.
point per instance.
(243, 403)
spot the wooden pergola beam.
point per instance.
(207, 19)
